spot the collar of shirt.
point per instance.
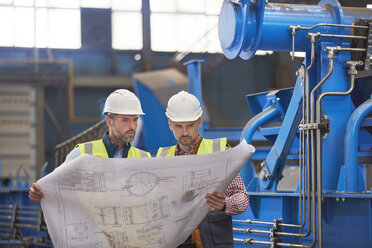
(111, 148)
(189, 150)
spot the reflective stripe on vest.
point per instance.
(164, 151)
(97, 148)
(206, 146)
(137, 153)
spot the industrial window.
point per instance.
(126, 22)
(185, 25)
(56, 23)
(40, 23)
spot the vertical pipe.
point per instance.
(319, 152)
(331, 57)
(307, 89)
(195, 86)
(147, 53)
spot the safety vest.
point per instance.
(97, 148)
(206, 146)
(215, 230)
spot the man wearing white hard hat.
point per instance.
(184, 118)
(122, 109)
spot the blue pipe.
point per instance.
(194, 76)
(195, 86)
(245, 27)
(351, 146)
(250, 128)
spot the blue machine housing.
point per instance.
(21, 220)
(325, 127)
(321, 129)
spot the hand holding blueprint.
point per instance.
(151, 202)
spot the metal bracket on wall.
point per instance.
(274, 238)
(324, 126)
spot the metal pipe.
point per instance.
(338, 48)
(305, 97)
(331, 57)
(307, 89)
(294, 28)
(292, 245)
(290, 234)
(351, 145)
(356, 37)
(328, 25)
(264, 223)
(250, 241)
(305, 102)
(250, 230)
(319, 150)
(253, 222)
(301, 174)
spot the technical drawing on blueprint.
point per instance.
(130, 203)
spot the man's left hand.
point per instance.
(216, 200)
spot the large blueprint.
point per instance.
(152, 202)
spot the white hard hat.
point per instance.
(182, 107)
(123, 102)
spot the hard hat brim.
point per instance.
(123, 113)
(183, 119)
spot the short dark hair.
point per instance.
(111, 115)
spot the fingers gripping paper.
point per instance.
(128, 203)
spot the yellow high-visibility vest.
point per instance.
(97, 148)
(206, 146)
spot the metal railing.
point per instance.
(94, 132)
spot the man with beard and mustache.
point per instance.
(184, 119)
(122, 108)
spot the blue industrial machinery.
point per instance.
(325, 127)
(21, 221)
(313, 142)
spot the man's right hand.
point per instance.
(35, 194)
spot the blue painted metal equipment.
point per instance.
(247, 26)
(314, 129)
(21, 221)
(331, 206)
(354, 179)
